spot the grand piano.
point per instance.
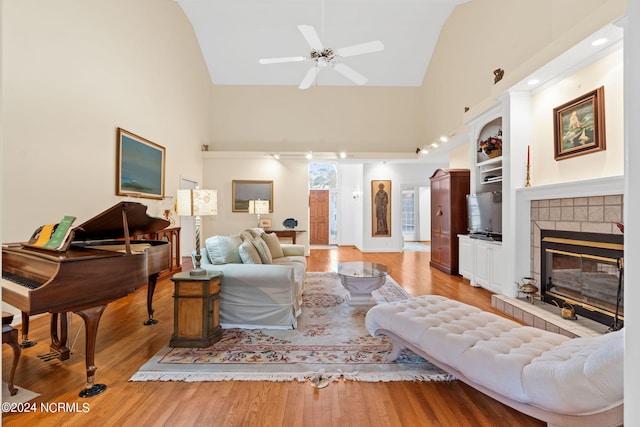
(101, 265)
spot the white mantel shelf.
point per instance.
(584, 188)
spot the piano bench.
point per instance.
(10, 336)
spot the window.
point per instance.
(408, 209)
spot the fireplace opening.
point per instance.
(583, 270)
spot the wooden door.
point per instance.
(319, 217)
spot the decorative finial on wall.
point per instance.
(466, 109)
(498, 75)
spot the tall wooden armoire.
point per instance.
(449, 188)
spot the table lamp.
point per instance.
(197, 203)
(258, 207)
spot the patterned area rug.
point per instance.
(331, 339)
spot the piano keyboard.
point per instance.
(22, 281)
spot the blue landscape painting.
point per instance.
(142, 168)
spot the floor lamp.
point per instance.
(258, 207)
(197, 203)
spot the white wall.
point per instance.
(73, 72)
(290, 188)
(350, 210)
(399, 174)
(632, 210)
(607, 72)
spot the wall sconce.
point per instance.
(355, 193)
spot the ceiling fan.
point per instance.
(323, 57)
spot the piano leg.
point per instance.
(91, 317)
(59, 345)
(26, 343)
(151, 287)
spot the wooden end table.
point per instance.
(196, 315)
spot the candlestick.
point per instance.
(527, 182)
(528, 155)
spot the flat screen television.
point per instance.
(484, 211)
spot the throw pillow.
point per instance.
(223, 249)
(246, 236)
(274, 245)
(249, 253)
(263, 250)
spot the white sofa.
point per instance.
(563, 381)
(262, 279)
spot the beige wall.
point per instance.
(290, 187)
(74, 71)
(483, 35)
(607, 72)
(278, 118)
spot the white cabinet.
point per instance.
(465, 261)
(481, 262)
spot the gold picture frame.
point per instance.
(140, 166)
(244, 190)
(579, 126)
(381, 208)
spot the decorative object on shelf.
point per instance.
(265, 223)
(579, 125)
(290, 223)
(205, 147)
(492, 146)
(258, 207)
(140, 167)
(527, 182)
(168, 205)
(528, 287)
(197, 203)
(243, 190)
(498, 74)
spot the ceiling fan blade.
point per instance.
(310, 35)
(279, 60)
(309, 78)
(350, 73)
(359, 49)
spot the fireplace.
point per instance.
(583, 271)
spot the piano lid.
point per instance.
(109, 224)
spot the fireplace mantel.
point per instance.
(521, 233)
(584, 188)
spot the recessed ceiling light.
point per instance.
(276, 156)
(533, 82)
(443, 138)
(343, 155)
(434, 145)
(599, 42)
(309, 155)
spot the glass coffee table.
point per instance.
(362, 278)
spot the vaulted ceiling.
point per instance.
(234, 35)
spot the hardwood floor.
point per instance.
(124, 344)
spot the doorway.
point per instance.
(319, 217)
(323, 204)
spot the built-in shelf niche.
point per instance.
(489, 157)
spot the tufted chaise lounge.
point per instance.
(563, 381)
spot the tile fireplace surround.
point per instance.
(588, 206)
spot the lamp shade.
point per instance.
(258, 207)
(197, 202)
